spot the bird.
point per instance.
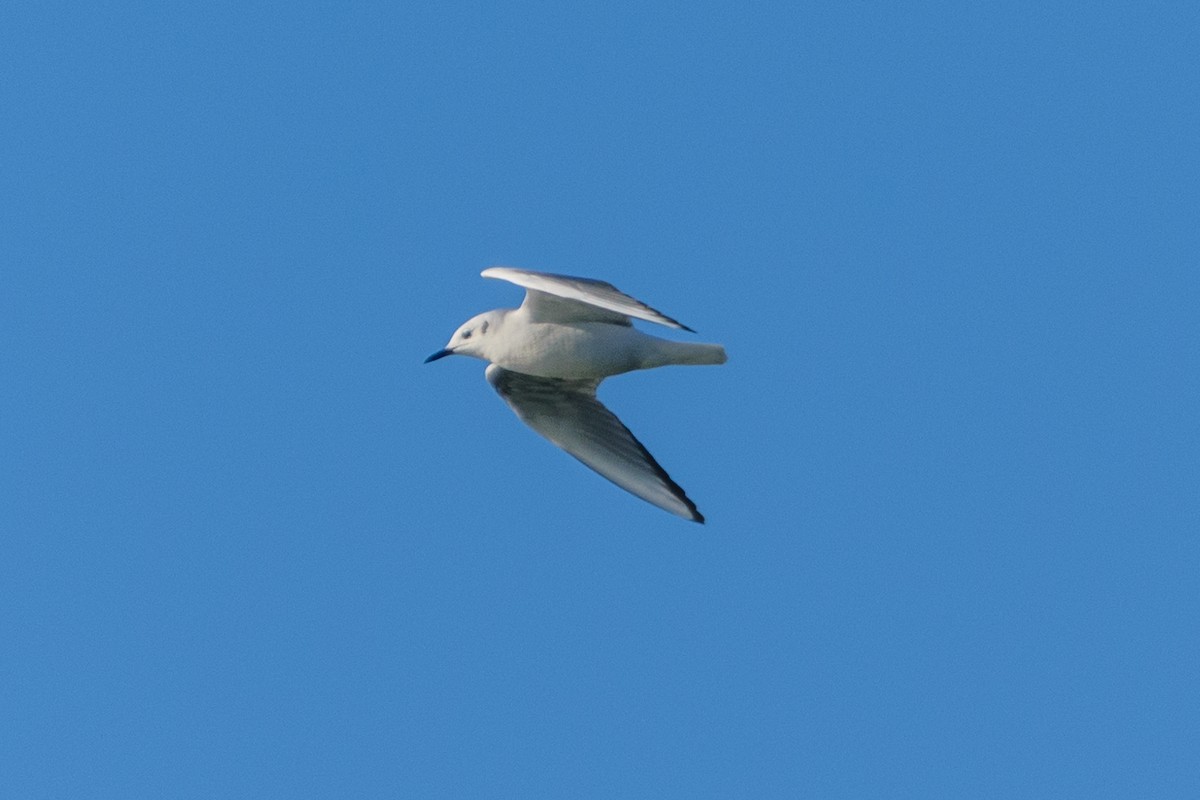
(546, 358)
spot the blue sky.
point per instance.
(251, 547)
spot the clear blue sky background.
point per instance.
(252, 547)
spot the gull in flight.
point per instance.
(547, 357)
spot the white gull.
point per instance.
(548, 356)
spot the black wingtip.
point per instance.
(675, 488)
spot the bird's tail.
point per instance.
(686, 353)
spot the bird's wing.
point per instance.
(567, 413)
(561, 298)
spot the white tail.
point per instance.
(705, 354)
(667, 352)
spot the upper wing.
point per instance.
(567, 413)
(547, 293)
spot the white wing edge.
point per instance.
(584, 290)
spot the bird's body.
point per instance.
(548, 356)
(584, 349)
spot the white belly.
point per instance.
(581, 350)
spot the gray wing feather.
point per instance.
(547, 293)
(568, 414)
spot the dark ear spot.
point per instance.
(483, 327)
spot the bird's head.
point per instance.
(471, 337)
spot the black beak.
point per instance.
(439, 354)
